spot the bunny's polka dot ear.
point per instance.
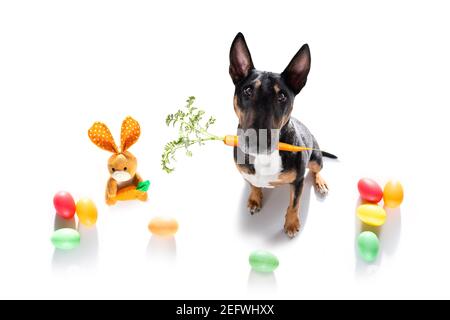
(102, 137)
(130, 133)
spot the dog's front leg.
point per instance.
(255, 198)
(292, 222)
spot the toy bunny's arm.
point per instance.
(111, 191)
(137, 178)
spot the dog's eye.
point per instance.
(113, 170)
(125, 169)
(282, 97)
(248, 91)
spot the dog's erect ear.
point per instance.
(240, 59)
(297, 71)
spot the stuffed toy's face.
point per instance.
(122, 166)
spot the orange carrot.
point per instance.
(232, 141)
(131, 193)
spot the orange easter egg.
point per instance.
(87, 212)
(393, 194)
(163, 226)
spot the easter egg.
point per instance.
(86, 212)
(66, 239)
(393, 194)
(263, 261)
(368, 246)
(369, 190)
(163, 226)
(64, 204)
(371, 214)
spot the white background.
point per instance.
(377, 96)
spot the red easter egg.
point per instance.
(369, 190)
(64, 205)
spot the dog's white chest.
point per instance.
(267, 170)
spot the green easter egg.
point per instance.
(263, 261)
(368, 246)
(66, 239)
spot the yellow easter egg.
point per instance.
(393, 194)
(87, 212)
(163, 226)
(371, 214)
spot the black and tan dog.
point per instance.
(264, 101)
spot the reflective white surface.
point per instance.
(377, 96)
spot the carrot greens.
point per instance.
(192, 129)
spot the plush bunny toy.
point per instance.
(122, 164)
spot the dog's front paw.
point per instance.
(254, 202)
(321, 185)
(292, 224)
(253, 206)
